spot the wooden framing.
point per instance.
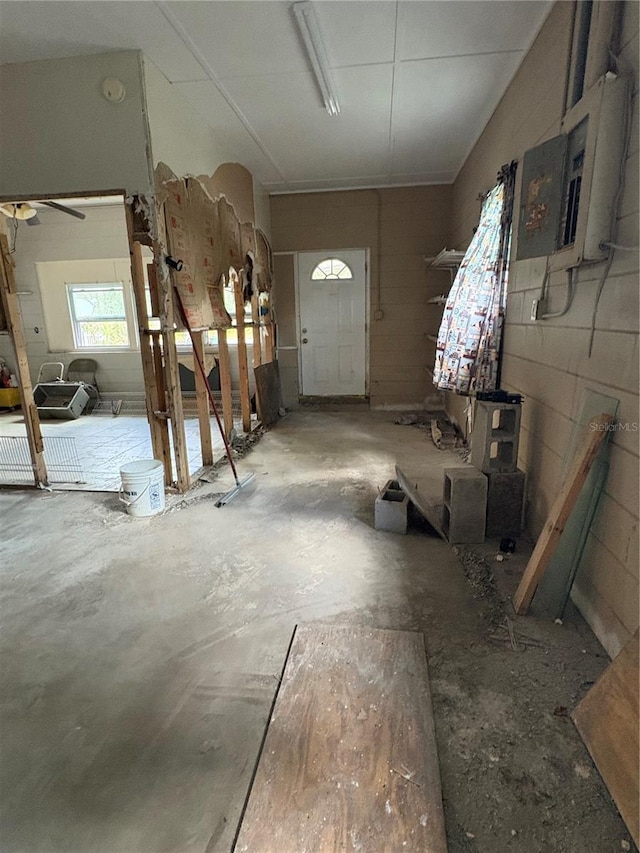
(243, 367)
(257, 332)
(13, 319)
(560, 511)
(225, 382)
(155, 403)
(166, 284)
(202, 402)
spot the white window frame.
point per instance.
(127, 317)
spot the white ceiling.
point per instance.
(416, 81)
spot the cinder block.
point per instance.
(391, 509)
(465, 505)
(494, 442)
(505, 500)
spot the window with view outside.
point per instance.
(331, 268)
(98, 315)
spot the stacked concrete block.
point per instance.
(465, 505)
(505, 500)
(494, 443)
(392, 509)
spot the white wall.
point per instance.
(262, 208)
(59, 135)
(180, 138)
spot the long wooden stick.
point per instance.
(559, 513)
(11, 308)
(201, 381)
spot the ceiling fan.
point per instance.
(23, 211)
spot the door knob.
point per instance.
(305, 340)
(304, 331)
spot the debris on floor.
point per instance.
(444, 434)
(480, 577)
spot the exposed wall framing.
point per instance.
(11, 312)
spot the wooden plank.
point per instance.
(243, 365)
(268, 392)
(159, 370)
(560, 511)
(13, 320)
(268, 341)
(160, 449)
(255, 329)
(225, 382)
(349, 761)
(607, 719)
(202, 402)
(432, 512)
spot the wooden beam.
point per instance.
(171, 372)
(225, 382)
(560, 511)
(243, 367)
(257, 343)
(202, 401)
(152, 399)
(159, 370)
(11, 308)
(268, 339)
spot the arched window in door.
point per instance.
(331, 268)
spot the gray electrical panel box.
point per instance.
(570, 183)
(541, 200)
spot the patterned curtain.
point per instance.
(469, 341)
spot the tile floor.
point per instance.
(86, 454)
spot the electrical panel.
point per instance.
(570, 182)
(541, 198)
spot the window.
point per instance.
(331, 268)
(98, 315)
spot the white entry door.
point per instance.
(332, 299)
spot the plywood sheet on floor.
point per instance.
(349, 760)
(607, 719)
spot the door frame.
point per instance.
(331, 253)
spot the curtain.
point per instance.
(469, 340)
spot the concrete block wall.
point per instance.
(548, 361)
(414, 223)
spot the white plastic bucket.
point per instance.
(142, 490)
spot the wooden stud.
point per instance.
(152, 400)
(257, 343)
(225, 381)
(202, 401)
(174, 404)
(243, 367)
(11, 310)
(560, 511)
(159, 369)
(172, 374)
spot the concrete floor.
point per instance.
(140, 657)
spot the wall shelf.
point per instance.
(446, 259)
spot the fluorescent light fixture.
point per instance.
(310, 32)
